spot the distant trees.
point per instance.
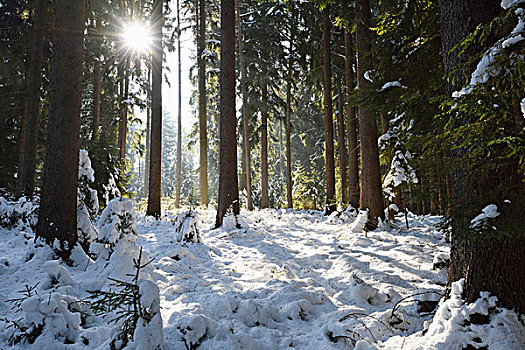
(228, 182)
(58, 204)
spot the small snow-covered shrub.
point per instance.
(87, 202)
(135, 308)
(117, 222)
(21, 214)
(186, 229)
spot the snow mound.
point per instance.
(358, 225)
(458, 325)
(57, 274)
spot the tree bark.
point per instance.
(371, 193)
(203, 129)
(58, 206)
(288, 126)
(30, 135)
(264, 146)
(341, 144)
(245, 136)
(351, 125)
(96, 99)
(156, 112)
(179, 113)
(228, 182)
(148, 142)
(328, 119)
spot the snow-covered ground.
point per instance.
(286, 279)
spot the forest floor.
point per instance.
(286, 279)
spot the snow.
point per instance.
(392, 84)
(509, 3)
(489, 212)
(367, 75)
(523, 107)
(284, 279)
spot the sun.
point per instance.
(137, 37)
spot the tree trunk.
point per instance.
(148, 142)
(264, 146)
(156, 112)
(203, 129)
(96, 99)
(288, 125)
(245, 136)
(123, 116)
(491, 264)
(30, 135)
(371, 194)
(228, 182)
(179, 114)
(341, 143)
(328, 119)
(58, 205)
(351, 125)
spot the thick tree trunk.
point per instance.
(156, 112)
(341, 144)
(228, 182)
(371, 194)
(328, 119)
(203, 128)
(58, 205)
(264, 146)
(96, 99)
(245, 136)
(30, 135)
(179, 113)
(487, 264)
(351, 125)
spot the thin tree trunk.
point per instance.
(328, 119)
(245, 137)
(148, 140)
(156, 112)
(433, 205)
(30, 136)
(264, 146)
(228, 182)
(96, 99)
(351, 125)
(288, 126)
(371, 194)
(179, 114)
(341, 143)
(58, 206)
(203, 129)
(123, 116)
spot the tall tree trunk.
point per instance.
(179, 114)
(371, 194)
(28, 170)
(328, 119)
(203, 129)
(264, 146)
(341, 143)
(228, 182)
(96, 99)
(288, 125)
(58, 205)
(148, 142)
(245, 137)
(156, 112)
(123, 115)
(351, 125)
(487, 264)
